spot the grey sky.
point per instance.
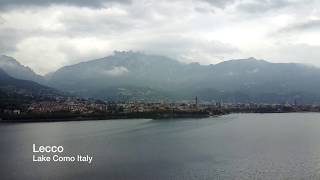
(48, 34)
(82, 3)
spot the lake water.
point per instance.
(236, 146)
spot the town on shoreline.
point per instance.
(72, 108)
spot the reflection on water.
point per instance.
(237, 146)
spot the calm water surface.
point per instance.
(237, 146)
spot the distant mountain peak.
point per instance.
(127, 53)
(250, 60)
(13, 68)
(134, 55)
(8, 59)
(5, 56)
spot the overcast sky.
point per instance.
(48, 34)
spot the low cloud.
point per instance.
(187, 49)
(296, 53)
(220, 3)
(309, 25)
(116, 71)
(258, 6)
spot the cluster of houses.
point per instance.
(264, 107)
(136, 106)
(69, 105)
(85, 106)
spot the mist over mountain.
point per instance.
(14, 90)
(126, 74)
(13, 68)
(131, 75)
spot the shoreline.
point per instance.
(155, 116)
(128, 117)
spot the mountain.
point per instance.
(14, 90)
(130, 75)
(13, 68)
(124, 74)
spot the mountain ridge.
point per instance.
(13, 68)
(13, 87)
(250, 77)
(130, 75)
